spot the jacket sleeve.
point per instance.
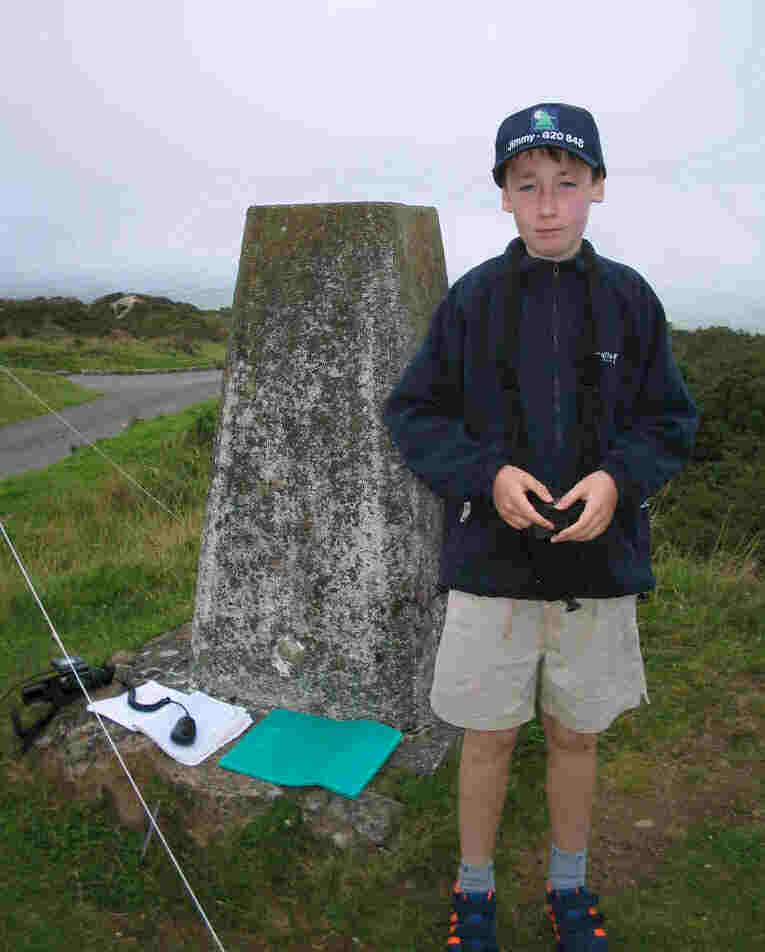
(425, 414)
(658, 443)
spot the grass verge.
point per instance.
(114, 571)
(17, 405)
(120, 353)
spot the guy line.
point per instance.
(83, 437)
(62, 648)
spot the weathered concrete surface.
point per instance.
(319, 558)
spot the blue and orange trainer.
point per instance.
(577, 924)
(473, 927)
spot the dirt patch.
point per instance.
(696, 782)
(627, 852)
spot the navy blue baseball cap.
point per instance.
(549, 124)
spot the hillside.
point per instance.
(119, 332)
(141, 316)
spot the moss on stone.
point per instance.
(329, 300)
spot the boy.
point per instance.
(545, 407)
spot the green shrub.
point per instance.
(718, 500)
(202, 432)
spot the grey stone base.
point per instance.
(75, 750)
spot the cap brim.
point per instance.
(496, 171)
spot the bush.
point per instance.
(152, 317)
(718, 500)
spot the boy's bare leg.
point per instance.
(484, 766)
(571, 776)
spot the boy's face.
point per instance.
(550, 201)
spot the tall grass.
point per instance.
(112, 568)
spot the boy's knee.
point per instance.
(565, 739)
(489, 743)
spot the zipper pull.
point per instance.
(556, 270)
(465, 511)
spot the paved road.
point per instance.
(36, 443)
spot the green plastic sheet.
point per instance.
(294, 749)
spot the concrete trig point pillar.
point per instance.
(319, 558)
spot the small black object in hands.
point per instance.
(560, 518)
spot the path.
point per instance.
(36, 443)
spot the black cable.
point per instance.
(148, 708)
(32, 677)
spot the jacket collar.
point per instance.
(528, 263)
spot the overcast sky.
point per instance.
(134, 136)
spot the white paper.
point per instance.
(217, 723)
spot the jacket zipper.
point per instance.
(557, 424)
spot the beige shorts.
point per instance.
(493, 650)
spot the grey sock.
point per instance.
(567, 870)
(476, 879)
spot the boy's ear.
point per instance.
(507, 202)
(598, 190)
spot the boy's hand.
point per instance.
(601, 495)
(509, 494)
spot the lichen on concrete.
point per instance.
(316, 534)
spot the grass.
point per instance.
(117, 352)
(712, 865)
(56, 391)
(111, 564)
(114, 570)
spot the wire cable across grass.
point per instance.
(152, 819)
(92, 445)
(118, 755)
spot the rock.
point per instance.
(342, 839)
(124, 305)
(74, 751)
(370, 814)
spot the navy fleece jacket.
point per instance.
(446, 416)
